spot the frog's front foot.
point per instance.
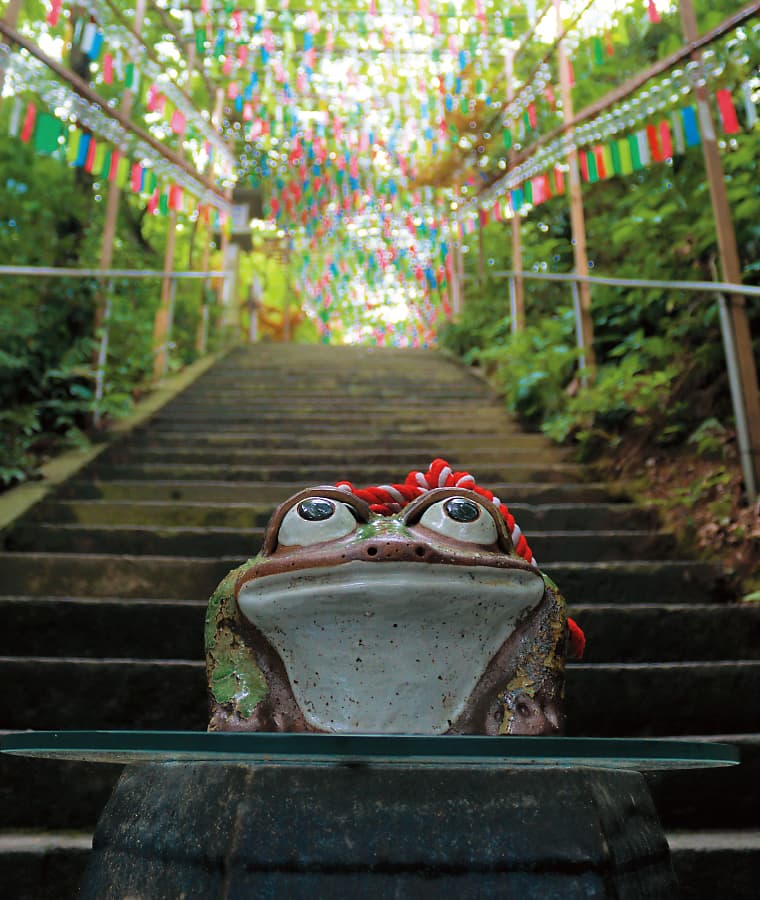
(532, 715)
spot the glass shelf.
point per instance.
(267, 749)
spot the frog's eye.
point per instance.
(462, 519)
(315, 520)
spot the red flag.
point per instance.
(727, 111)
(55, 12)
(654, 147)
(114, 168)
(559, 180)
(582, 161)
(601, 169)
(175, 197)
(665, 139)
(29, 119)
(90, 160)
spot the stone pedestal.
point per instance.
(219, 830)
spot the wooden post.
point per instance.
(112, 204)
(204, 318)
(730, 265)
(227, 289)
(517, 293)
(163, 320)
(577, 218)
(460, 275)
(201, 333)
(481, 251)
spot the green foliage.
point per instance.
(534, 367)
(661, 367)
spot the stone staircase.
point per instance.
(103, 587)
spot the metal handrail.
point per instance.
(108, 276)
(59, 272)
(722, 291)
(712, 286)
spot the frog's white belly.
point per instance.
(388, 647)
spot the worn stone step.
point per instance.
(241, 422)
(58, 537)
(322, 474)
(112, 626)
(712, 864)
(669, 632)
(178, 578)
(309, 401)
(712, 798)
(57, 794)
(42, 865)
(426, 447)
(603, 700)
(347, 458)
(163, 629)
(565, 517)
(204, 491)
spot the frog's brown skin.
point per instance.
(520, 690)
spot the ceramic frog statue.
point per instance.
(413, 608)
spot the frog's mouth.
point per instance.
(388, 647)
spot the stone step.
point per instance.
(603, 700)
(204, 491)
(177, 578)
(712, 864)
(87, 627)
(490, 426)
(348, 458)
(564, 517)
(426, 447)
(669, 632)
(43, 865)
(310, 402)
(712, 798)
(323, 474)
(164, 629)
(591, 546)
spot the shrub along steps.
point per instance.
(104, 584)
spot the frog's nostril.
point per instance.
(372, 551)
(419, 550)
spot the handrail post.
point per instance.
(579, 340)
(577, 216)
(748, 394)
(102, 358)
(517, 302)
(162, 321)
(735, 386)
(513, 304)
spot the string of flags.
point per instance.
(83, 150)
(350, 120)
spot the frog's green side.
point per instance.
(540, 669)
(235, 681)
